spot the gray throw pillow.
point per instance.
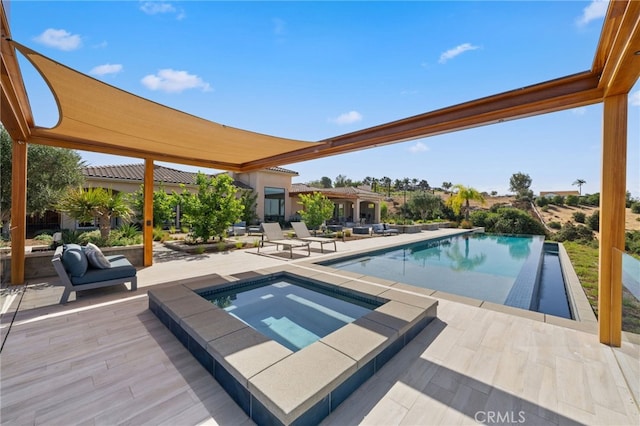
(96, 257)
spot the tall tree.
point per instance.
(520, 183)
(163, 205)
(386, 182)
(341, 181)
(425, 205)
(249, 200)
(580, 182)
(95, 203)
(326, 182)
(50, 173)
(213, 208)
(424, 185)
(446, 186)
(316, 208)
(461, 197)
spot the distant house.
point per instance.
(551, 194)
(357, 205)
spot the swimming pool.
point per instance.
(289, 312)
(501, 269)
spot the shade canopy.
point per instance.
(95, 116)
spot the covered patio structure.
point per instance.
(352, 205)
(125, 124)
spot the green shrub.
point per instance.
(221, 245)
(558, 200)
(159, 234)
(572, 200)
(542, 201)
(635, 208)
(515, 221)
(466, 224)
(93, 237)
(554, 225)
(71, 236)
(571, 232)
(479, 217)
(239, 244)
(590, 200)
(127, 230)
(632, 242)
(256, 242)
(347, 232)
(45, 238)
(579, 217)
(199, 249)
(545, 208)
(593, 221)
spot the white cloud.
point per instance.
(59, 39)
(347, 118)
(156, 7)
(418, 147)
(172, 81)
(596, 9)
(106, 69)
(579, 111)
(452, 53)
(634, 98)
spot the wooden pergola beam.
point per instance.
(568, 92)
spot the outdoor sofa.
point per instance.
(383, 229)
(81, 268)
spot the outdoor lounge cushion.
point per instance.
(74, 260)
(120, 268)
(96, 257)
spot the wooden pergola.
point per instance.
(124, 124)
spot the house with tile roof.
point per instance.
(277, 201)
(352, 204)
(272, 186)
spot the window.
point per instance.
(273, 204)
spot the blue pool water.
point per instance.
(292, 315)
(495, 268)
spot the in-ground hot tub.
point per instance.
(271, 382)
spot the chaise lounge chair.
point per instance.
(383, 229)
(302, 233)
(273, 235)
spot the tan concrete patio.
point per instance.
(106, 359)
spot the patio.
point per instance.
(106, 359)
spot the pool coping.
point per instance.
(271, 383)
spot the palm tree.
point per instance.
(104, 204)
(461, 196)
(386, 181)
(580, 182)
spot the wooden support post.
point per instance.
(612, 219)
(18, 210)
(148, 212)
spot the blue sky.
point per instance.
(313, 70)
